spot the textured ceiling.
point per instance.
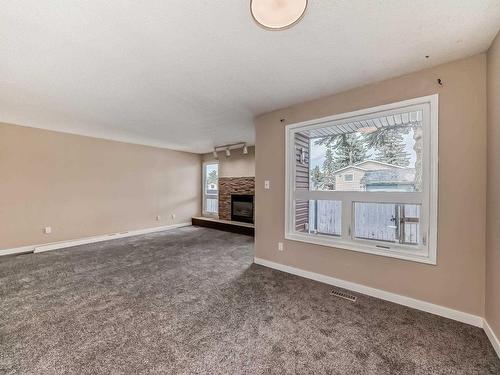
(192, 74)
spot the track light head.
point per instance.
(228, 153)
(214, 153)
(245, 150)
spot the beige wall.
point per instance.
(458, 279)
(236, 165)
(83, 186)
(493, 197)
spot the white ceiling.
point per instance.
(189, 75)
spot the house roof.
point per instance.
(389, 176)
(347, 168)
(359, 165)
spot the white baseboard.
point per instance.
(17, 250)
(81, 241)
(493, 338)
(378, 293)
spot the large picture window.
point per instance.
(366, 180)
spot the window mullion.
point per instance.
(346, 222)
(376, 197)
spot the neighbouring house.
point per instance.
(371, 175)
(395, 179)
(212, 187)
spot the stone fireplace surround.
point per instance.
(233, 185)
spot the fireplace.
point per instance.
(229, 186)
(242, 208)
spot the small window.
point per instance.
(210, 189)
(366, 181)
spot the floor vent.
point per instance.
(343, 295)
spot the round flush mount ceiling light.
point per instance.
(277, 14)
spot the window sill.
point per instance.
(420, 256)
(212, 215)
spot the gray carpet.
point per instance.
(190, 301)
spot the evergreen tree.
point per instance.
(341, 150)
(212, 177)
(317, 178)
(350, 149)
(347, 149)
(329, 167)
(390, 147)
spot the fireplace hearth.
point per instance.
(242, 207)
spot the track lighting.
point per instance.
(228, 147)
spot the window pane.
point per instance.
(212, 205)
(390, 222)
(383, 153)
(211, 188)
(211, 179)
(318, 216)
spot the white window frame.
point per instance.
(426, 252)
(205, 213)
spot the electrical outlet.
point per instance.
(47, 230)
(158, 218)
(173, 216)
(280, 246)
(267, 185)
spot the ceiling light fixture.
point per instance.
(228, 147)
(277, 14)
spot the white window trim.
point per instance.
(425, 253)
(205, 213)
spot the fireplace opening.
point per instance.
(242, 208)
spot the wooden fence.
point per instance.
(212, 205)
(380, 221)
